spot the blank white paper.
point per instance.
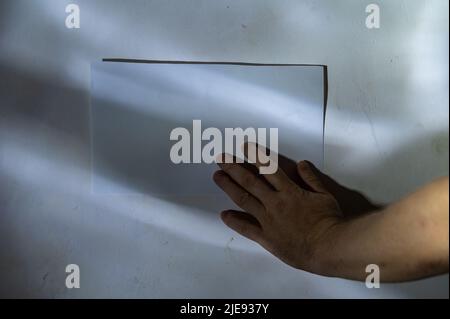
(135, 106)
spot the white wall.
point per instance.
(386, 134)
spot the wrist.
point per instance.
(325, 257)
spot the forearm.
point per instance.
(407, 240)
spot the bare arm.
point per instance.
(407, 240)
(307, 228)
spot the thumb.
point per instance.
(308, 172)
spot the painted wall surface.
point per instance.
(386, 134)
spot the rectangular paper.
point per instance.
(135, 107)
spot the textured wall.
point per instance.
(386, 133)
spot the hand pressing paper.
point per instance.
(144, 117)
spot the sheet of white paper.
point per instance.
(135, 106)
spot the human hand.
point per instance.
(294, 224)
(300, 220)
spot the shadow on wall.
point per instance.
(71, 118)
(255, 35)
(29, 97)
(42, 92)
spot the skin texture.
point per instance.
(311, 222)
